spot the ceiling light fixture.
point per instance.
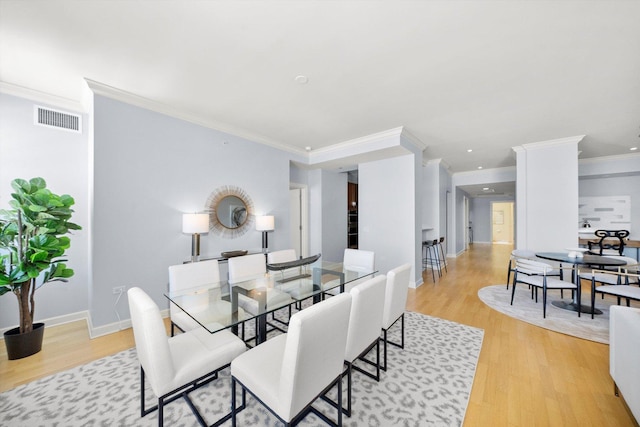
(469, 150)
(479, 167)
(485, 189)
(307, 148)
(303, 80)
(633, 148)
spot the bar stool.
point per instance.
(427, 247)
(444, 258)
(432, 258)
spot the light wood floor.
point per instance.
(526, 376)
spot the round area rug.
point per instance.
(560, 320)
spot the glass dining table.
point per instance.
(215, 311)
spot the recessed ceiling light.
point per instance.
(303, 80)
(469, 150)
(307, 148)
(479, 167)
(633, 148)
(485, 189)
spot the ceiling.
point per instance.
(458, 75)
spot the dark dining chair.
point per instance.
(611, 242)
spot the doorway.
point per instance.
(299, 219)
(502, 223)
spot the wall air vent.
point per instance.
(57, 119)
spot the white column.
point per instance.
(547, 194)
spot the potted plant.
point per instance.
(32, 241)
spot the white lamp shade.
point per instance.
(195, 223)
(265, 223)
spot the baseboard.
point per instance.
(416, 284)
(99, 331)
(58, 320)
(94, 331)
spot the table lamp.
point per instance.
(195, 224)
(265, 224)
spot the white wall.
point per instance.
(628, 185)
(334, 215)
(60, 157)
(387, 218)
(430, 199)
(547, 195)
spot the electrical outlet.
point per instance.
(118, 290)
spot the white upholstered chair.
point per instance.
(178, 365)
(284, 255)
(296, 289)
(528, 254)
(616, 283)
(289, 372)
(365, 323)
(254, 266)
(355, 260)
(395, 302)
(194, 275)
(537, 275)
(624, 345)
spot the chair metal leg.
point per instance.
(444, 259)
(233, 402)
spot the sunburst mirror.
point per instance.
(230, 211)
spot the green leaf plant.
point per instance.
(33, 242)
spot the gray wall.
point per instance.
(480, 215)
(148, 170)
(60, 157)
(617, 186)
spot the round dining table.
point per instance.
(595, 261)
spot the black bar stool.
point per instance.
(427, 257)
(444, 258)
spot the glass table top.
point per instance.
(265, 293)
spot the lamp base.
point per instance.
(265, 243)
(195, 247)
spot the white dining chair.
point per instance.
(536, 275)
(620, 284)
(528, 254)
(395, 302)
(354, 260)
(176, 366)
(297, 289)
(365, 323)
(289, 372)
(207, 307)
(254, 266)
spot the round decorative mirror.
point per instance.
(230, 211)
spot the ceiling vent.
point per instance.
(57, 119)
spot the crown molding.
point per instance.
(505, 169)
(414, 140)
(609, 158)
(360, 141)
(553, 142)
(139, 101)
(41, 97)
